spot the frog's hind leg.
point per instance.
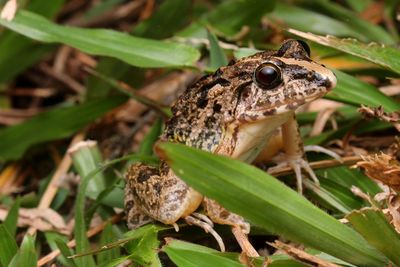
(134, 215)
(160, 194)
(240, 228)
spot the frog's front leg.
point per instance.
(294, 153)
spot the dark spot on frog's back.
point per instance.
(202, 102)
(217, 107)
(144, 175)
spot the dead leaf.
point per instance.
(382, 167)
(9, 10)
(394, 211)
(301, 255)
(41, 219)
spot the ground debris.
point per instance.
(379, 113)
(382, 167)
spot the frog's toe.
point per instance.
(205, 224)
(296, 164)
(320, 149)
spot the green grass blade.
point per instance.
(374, 227)
(383, 55)
(12, 217)
(230, 16)
(66, 252)
(132, 50)
(107, 236)
(170, 17)
(217, 55)
(311, 21)
(26, 256)
(52, 125)
(8, 246)
(274, 206)
(353, 91)
(185, 254)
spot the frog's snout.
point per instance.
(330, 79)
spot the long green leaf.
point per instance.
(26, 256)
(51, 125)
(230, 16)
(307, 20)
(12, 217)
(8, 246)
(374, 227)
(383, 55)
(133, 50)
(274, 206)
(353, 91)
(184, 254)
(18, 52)
(217, 55)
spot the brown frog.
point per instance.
(232, 112)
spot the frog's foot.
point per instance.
(240, 228)
(203, 223)
(296, 164)
(320, 149)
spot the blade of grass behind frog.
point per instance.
(60, 122)
(26, 255)
(217, 55)
(372, 31)
(353, 91)
(307, 20)
(8, 246)
(292, 217)
(107, 236)
(383, 55)
(18, 52)
(11, 220)
(372, 224)
(164, 111)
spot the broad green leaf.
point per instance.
(26, 255)
(8, 246)
(12, 218)
(372, 31)
(358, 5)
(295, 218)
(107, 236)
(18, 52)
(82, 241)
(231, 16)
(146, 145)
(132, 50)
(85, 159)
(54, 239)
(143, 248)
(310, 21)
(372, 224)
(185, 254)
(217, 55)
(353, 91)
(55, 124)
(66, 252)
(383, 55)
(171, 16)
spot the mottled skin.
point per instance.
(227, 113)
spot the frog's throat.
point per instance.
(244, 141)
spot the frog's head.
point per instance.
(280, 82)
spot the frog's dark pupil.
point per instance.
(266, 76)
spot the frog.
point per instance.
(233, 112)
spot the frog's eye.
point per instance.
(305, 47)
(267, 76)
